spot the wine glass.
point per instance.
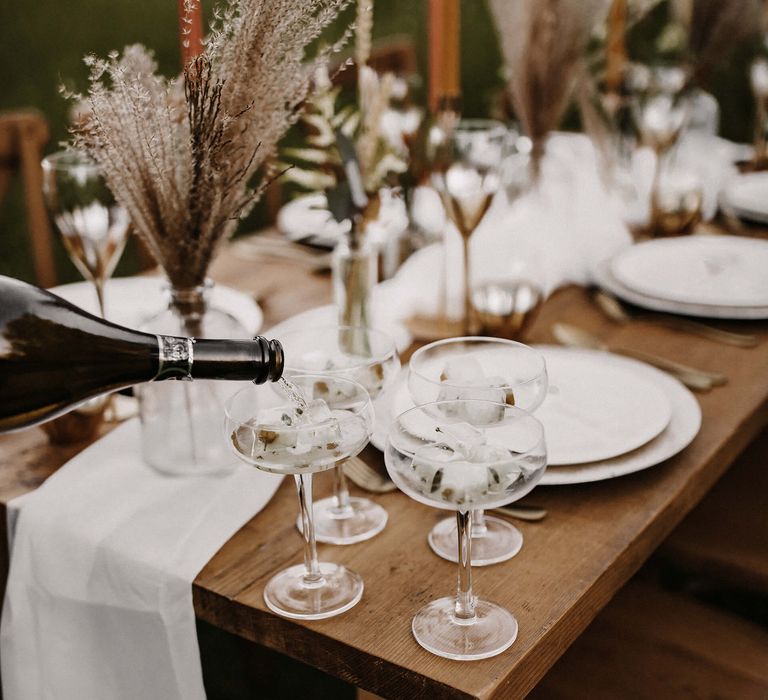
(462, 455)
(467, 176)
(660, 107)
(317, 422)
(93, 227)
(487, 369)
(370, 358)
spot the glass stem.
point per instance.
(479, 528)
(312, 573)
(467, 288)
(465, 599)
(342, 508)
(98, 283)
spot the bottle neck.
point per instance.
(258, 360)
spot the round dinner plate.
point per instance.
(747, 195)
(130, 301)
(594, 410)
(683, 425)
(714, 270)
(603, 277)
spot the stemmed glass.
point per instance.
(462, 455)
(467, 176)
(370, 358)
(487, 369)
(93, 227)
(661, 110)
(318, 422)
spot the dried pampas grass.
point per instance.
(187, 158)
(543, 43)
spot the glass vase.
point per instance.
(354, 275)
(181, 420)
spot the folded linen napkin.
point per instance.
(103, 555)
(554, 234)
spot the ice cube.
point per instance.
(427, 465)
(463, 370)
(463, 483)
(463, 438)
(458, 404)
(317, 411)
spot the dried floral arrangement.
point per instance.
(319, 163)
(543, 44)
(188, 157)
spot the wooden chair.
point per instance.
(23, 135)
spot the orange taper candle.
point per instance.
(190, 30)
(444, 50)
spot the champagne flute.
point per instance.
(93, 227)
(467, 177)
(463, 455)
(478, 368)
(370, 358)
(317, 422)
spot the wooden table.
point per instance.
(594, 539)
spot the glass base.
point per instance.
(438, 630)
(500, 541)
(333, 526)
(290, 595)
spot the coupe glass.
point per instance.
(370, 358)
(468, 177)
(93, 227)
(317, 422)
(485, 369)
(463, 455)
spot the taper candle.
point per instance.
(190, 30)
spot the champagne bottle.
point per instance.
(54, 355)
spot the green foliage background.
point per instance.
(42, 44)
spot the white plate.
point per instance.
(720, 270)
(603, 277)
(130, 301)
(594, 409)
(747, 195)
(683, 426)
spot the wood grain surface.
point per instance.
(595, 537)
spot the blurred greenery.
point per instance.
(43, 44)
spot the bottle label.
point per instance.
(176, 356)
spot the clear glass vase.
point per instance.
(355, 267)
(181, 420)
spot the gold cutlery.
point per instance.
(618, 312)
(521, 511)
(692, 377)
(367, 478)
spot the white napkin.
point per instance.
(99, 597)
(554, 234)
(308, 216)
